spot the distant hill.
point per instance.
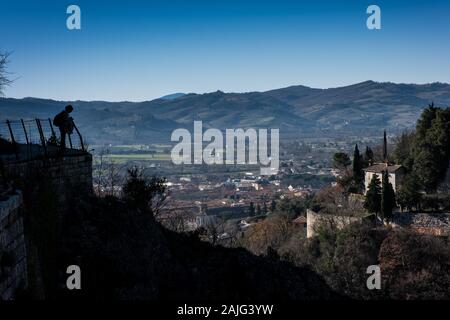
(172, 96)
(360, 109)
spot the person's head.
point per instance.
(69, 108)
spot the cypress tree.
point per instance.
(358, 175)
(388, 202)
(373, 196)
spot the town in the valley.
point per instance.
(226, 200)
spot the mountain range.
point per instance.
(361, 109)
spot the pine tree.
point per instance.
(341, 160)
(425, 120)
(431, 149)
(409, 196)
(388, 202)
(426, 169)
(369, 156)
(403, 153)
(373, 196)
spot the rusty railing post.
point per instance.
(80, 137)
(41, 134)
(26, 138)
(10, 131)
(51, 127)
(25, 131)
(13, 140)
(70, 140)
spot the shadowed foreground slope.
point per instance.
(127, 255)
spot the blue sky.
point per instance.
(136, 50)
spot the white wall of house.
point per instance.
(393, 179)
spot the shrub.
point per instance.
(143, 194)
(415, 266)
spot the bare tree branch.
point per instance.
(4, 80)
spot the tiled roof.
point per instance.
(380, 167)
(300, 219)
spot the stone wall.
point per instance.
(13, 257)
(314, 220)
(68, 175)
(436, 224)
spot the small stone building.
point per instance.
(396, 174)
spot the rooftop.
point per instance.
(380, 167)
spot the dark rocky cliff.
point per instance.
(127, 255)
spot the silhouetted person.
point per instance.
(65, 124)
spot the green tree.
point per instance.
(439, 134)
(408, 195)
(368, 156)
(341, 160)
(372, 202)
(403, 152)
(425, 121)
(432, 147)
(388, 202)
(425, 168)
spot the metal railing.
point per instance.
(30, 138)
